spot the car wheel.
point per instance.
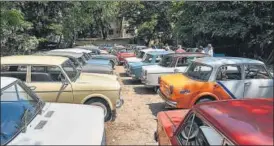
(202, 100)
(103, 104)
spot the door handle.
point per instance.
(32, 87)
(247, 83)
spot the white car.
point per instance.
(139, 57)
(27, 120)
(170, 63)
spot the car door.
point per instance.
(258, 82)
(47, 83)
(181, 65)
(230, 79)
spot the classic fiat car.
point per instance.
(230, 122)
(80, 63)
(140, 55)
(123, 54)
(135, 68)
(216, 78)
(170, 64)
(55, 79)
(27, 120)
(87, 57)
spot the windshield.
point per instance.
(166, 61)
(199, 71)
(140, 54)
(126, 51)
(70, 70)
(75, 62)
(18, 108)
(86, 56)
(148, 58)
(82, 61)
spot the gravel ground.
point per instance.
(136, 119)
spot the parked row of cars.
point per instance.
(61, 96)
(195, 82)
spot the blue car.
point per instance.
(100, 62)
(153, 57)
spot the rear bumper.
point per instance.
(167, 101)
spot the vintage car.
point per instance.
(122, 54)
(228, 122)
(154, 57)
(170, 64)
(80, 63)
(140, 55)
(216, 78)
(55, 79)
(88, 57)
(27, 120)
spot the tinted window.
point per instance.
(256, 72)
(195, 131)
(16, 71)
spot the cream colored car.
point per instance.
(55, 79)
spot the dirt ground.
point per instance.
(136, 119)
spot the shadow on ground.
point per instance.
(157, 107)
(131, 82)
(144, 90)
(123, 75)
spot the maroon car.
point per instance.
(124, 53)
(231, 122)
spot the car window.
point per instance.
(199, 71)
(46, 74)
(255, 72)
(16, 71)
(195, 131)
(148, 58)
(229, 72)
(166, 61)
(158, 58)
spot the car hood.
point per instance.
(133, 59)
(135, 64)
(158, 69)
(98, 81)
(171, 120)
(69, 124)
(104, 56)
(98, 61)
(90, 68)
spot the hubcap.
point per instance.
(100, 105)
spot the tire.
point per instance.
(202, 100)
(101, 103)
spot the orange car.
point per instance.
(216, 78)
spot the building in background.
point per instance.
(120, 29)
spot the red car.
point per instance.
(124, 53)
(231, 122)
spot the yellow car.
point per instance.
(55, 79)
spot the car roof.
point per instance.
(244, 122)
(188, 54)
(159, 52)
(33, 59)
(77, 50)
(5, 81)
(218, 61)
(63, 53)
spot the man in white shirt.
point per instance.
(208, 50)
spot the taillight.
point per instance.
(159, 80)
(171, 89)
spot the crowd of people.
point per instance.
(207, 50)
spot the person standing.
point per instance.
(180, 49)
(210, 50)
(167, 48)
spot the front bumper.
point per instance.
(172, 104)
(119, 102)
